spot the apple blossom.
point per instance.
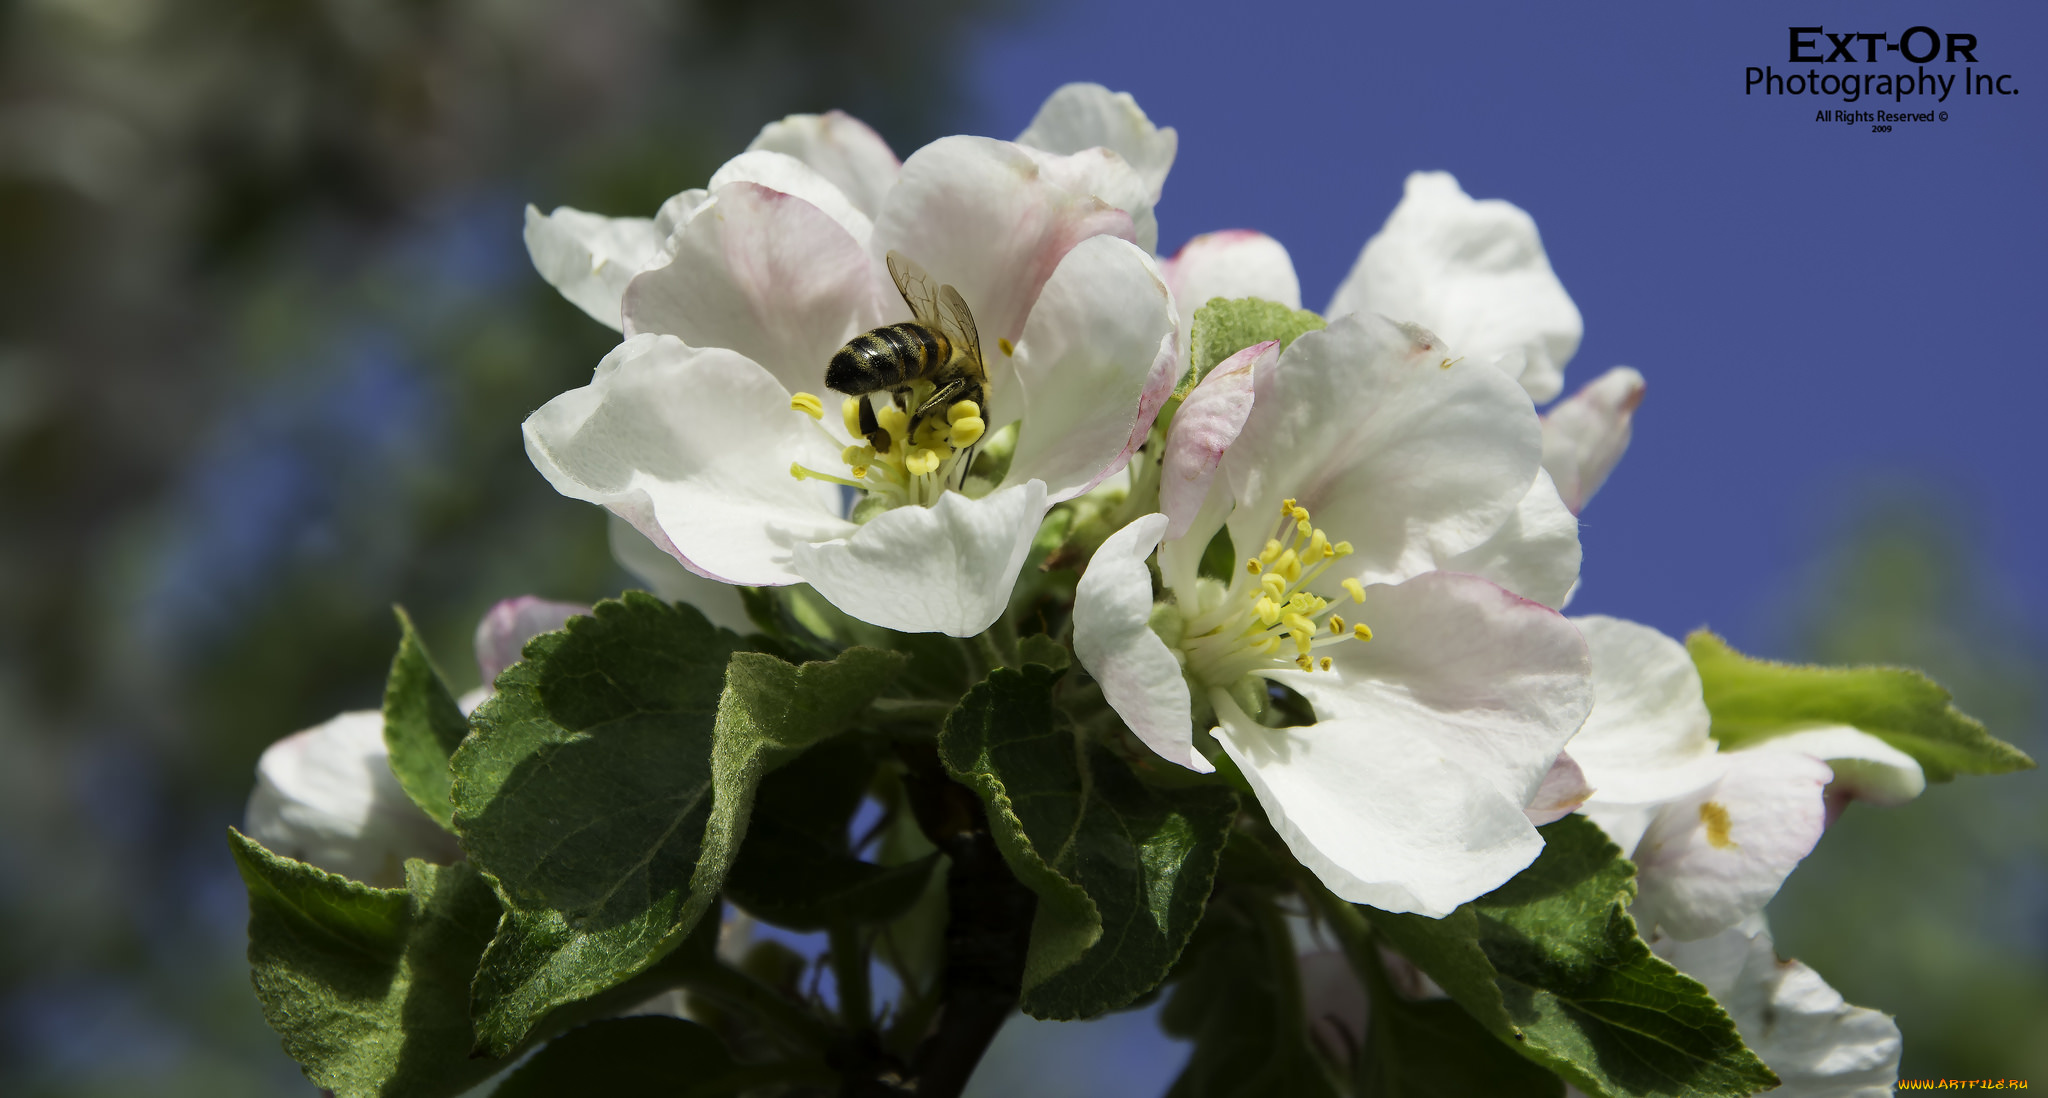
(1437, 722)
(701, 429)
(1713, 834)
(1819, 1045)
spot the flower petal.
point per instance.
(1209, 419)
(1114, 640)
(1866, 768)
(1085, 116)
(665, 576)
(1646, 739)
(326, 796)
(507, 626)
(1474, 273)
(1496, 683)
(1563, 790)
(1819, 1045)
(947, 568)
(1096, 363)
(992, 220)
(840, 147)
(1380, 814)
(693, 446)
(1717, 856)
(783, 172)
(1232, 263)
(1535, 553)
(590, 258)
(1584, 437)
(1392, 446)
(763, 273)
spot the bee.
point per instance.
(939, 347)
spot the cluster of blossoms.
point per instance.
(1401, 522)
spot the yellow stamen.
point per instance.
(1341, 549)
(1270, 553)
(1268, 611)
(962, 409)
(1361, 631)
(966, 430)
(921, 462)
(1336, 623)
(1303, 662)
(893, 420)
(1326, 663)
(1253, 566)
(808, 405)
(1288, 565)
(1355, 589)
(849, 413)
(1274, 585)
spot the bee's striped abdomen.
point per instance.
(887, 358)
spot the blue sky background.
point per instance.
(1819, 309)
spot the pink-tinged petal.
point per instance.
(1818, 1044)
(1085, 116)
(1208, 421)
(1716, 857)
(947, 568)
(1646, 740)
(1232, 263)
(590, 258)
(327, 797)
(988, 218)
(782, 172)
(839, 147)
(1474, 273)
(1535, 553)
(1096, 364)
(1866, 768)
(664, 575)
(1114, 640)
(1563, 790)
(507, 626)
(1495, 683)
(763, 273)
(693, 446)
(1379, 813)
(1584, 437)
(1390, 444)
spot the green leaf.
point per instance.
(1237, 995)
(1754, 700)
(422, 725)
(1044, 651)
(1551, 963)
(796, 868)
(1222, 328)
(1121, 870)
(369, 987)
(646, 1057)
(606, 790)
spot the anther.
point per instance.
(1270, 552)
(1336, 623)
(1274, 585)
(1267, 609)
(849, 413)
(808, 405)
(1361, 632)
(1253, 566)
(1355, 589)
(1342, 549)
(1326, 663)
(962, 409)
(967, 429)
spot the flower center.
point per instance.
(1268, 620)
(909, 457)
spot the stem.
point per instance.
(991, 654)
(850, 971)
(987, 933)
(798, 1027)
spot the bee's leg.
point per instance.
(871, 429)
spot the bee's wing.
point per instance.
(918, 290)
(958, 324)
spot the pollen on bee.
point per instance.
(808, 404)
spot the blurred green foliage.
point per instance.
(1936, 911)
(268, 336)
